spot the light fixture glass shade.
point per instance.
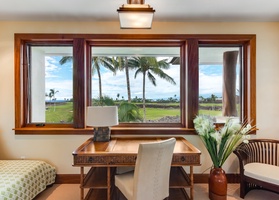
(102, 116)
(135, 16)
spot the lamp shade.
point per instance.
(102, 116)
(135, 16)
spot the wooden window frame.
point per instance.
(189, 82)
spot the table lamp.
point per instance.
(102, 118)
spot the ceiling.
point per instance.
(166, 10)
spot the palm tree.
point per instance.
(51, 95)
(213, 98)
(129, 112)
(122, 64)
(97, 63)
(104, 101)
(149, 66)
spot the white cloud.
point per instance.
(65, 88)
(210, 84)
(50, 67)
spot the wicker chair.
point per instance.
(259, 165)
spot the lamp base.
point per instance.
(101, 134)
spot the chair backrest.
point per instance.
(259, 150)
(152, 170)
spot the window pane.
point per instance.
(141, 81)
(219, 82)
(51, 87)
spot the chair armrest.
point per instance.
(242, 157)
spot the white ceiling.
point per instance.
(166, 10)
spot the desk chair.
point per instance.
(150, 180)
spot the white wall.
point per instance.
(38, 97)
(57, 149)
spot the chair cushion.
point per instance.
(264, 172)
(124, 182)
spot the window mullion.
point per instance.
(192, 81)
(79, 87)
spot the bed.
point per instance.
(24, 179)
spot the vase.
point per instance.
(217, 184)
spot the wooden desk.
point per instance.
(104, 157)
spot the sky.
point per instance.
(59, 77)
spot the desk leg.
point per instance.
(192, 183)
(81, 183)
(108, 184)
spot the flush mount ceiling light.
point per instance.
(135, 14)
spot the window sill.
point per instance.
(114, 131)
(51, 131)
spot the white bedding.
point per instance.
(24, 179)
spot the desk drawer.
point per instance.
(104, 160)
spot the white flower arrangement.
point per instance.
(220, 143)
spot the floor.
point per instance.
(71, 192)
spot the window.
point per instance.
(140, 78)
(167, 108)
(51, 85)
(219, 82)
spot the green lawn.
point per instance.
(59, 113)
(63, 113)
(157, 113)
